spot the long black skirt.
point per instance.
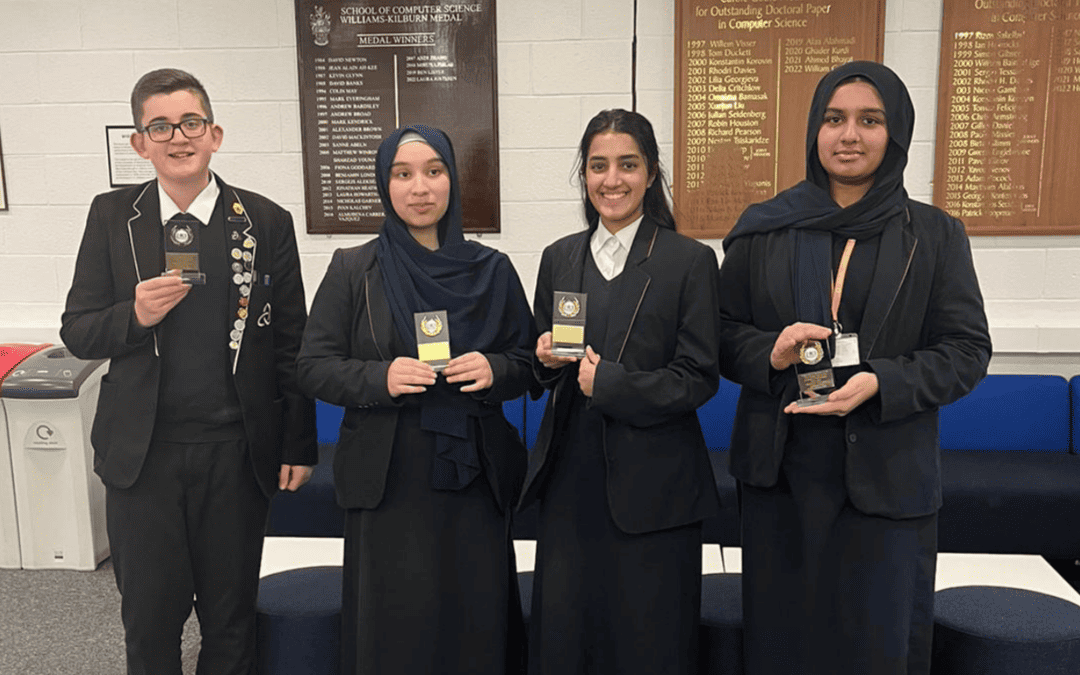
(604, 601)
(427, 577)
(828, 589)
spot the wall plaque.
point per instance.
(368, 67)
(745, 71)
(1007, 160)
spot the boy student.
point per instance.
(193, 289)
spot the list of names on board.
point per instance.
(745, 71)
(367, 68)
(1007, 160)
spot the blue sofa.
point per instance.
(1009, 466)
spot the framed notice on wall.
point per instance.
(3, 182)
(744, 75)
(125, 165)
(368, 67)
(1006, 158)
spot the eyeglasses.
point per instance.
(162, 132)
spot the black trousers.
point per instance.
(189, 532)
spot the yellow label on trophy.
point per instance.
(434, 351)
(568, 334)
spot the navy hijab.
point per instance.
(471, 282)
(476, 285)
(808, 211)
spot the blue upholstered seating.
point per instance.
(985, 630)
(298, 622)
(1010, 479)
(1008, 476)
(717, 418)
(313, 511)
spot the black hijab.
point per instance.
(808, 210)
(486, 309)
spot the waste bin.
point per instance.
(50, 400)
(11, 355)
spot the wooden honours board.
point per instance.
(1007, 155)
(368, 67)
(745, 71)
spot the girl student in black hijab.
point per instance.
(426, 465)
(620, 467)
(840, 499)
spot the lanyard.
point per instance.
(838, 286)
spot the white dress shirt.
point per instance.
(610, 251)
(202, 208)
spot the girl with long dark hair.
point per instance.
(620, 466)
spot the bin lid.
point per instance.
(49, 373)
(13, 353)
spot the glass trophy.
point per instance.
(568, 324)
(814, 372)
(182, 249)
(432, 339)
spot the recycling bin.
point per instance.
(50, 400)
(11, 355)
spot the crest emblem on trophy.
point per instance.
(569, 307)
(181, 235)
(431, 325)
(320, 26)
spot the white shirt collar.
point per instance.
(613, 266)
(202, 208)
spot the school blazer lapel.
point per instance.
(379, 321)
(779, 282)
(145, 233)
(633, 286)
(895, 254)
(569, 277)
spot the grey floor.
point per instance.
(58, 622)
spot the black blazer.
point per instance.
(344, 358)
(924, 334)
(658, 365)
(122, 245)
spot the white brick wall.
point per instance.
(67, 68)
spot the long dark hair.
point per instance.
(617, 120)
